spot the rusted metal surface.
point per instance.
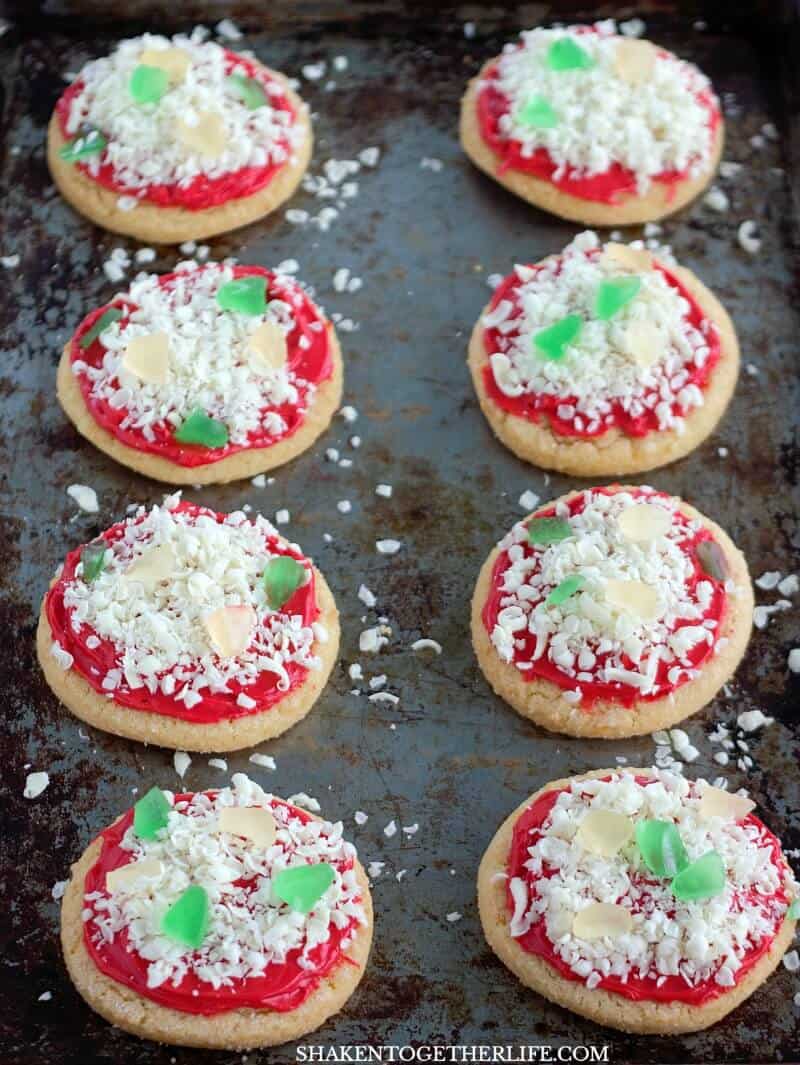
(457, 760)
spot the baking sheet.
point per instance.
(450, 757)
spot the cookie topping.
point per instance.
(150, 814)
(209, 927)
(579, 339)
(599, 610)
(592, 101)
(701, 900)
(201, 357)
(199, 111)
(180, 616)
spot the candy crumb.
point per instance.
(85, 497)
(426, 644)
(35, 784)
(181, 760)
(266, 761)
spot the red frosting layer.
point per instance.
(595, 691)
(311, 365)
(201, 192)
(282, 987)
(94, 663)
(534, 406)
(611, 187)
(636, 988)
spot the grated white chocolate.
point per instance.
(211, 362)
(694, 941)
(158, 628)
(649, 127)
(604, 365)
(143, 143)
(575, 634)
(250, 928)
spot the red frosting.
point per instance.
(537, 405)
(636, 988)
(311, 365)
(94, 663)
(201, 192)
(282, 988)
(595, 691)
(611, 186)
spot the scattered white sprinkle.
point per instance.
(228, 30)
(794, 660)
(384, 490)
(431, 163)
(633, 27)
(746, 235)
(355, 671)
(287, 266)
(384, 697)
(45, 996)
(297, 217)
(411, 830)
(790, 584)
(388, 547)
(218, 763)
(282, 517)
(35, 784)
(369, 156)
(340, 62)
(426, 645)
(769, 580)
(344, 506)
(349, 414)
(750, 720)
(528, 500)
(366, 596)
(729, 170)
(371, 640)
(266, 761)
(85, 497)
(469, 30)
(306, 801)
(791, 961)
(181, 761)
(360, 817)
(453, 917)
(313, 71)
(9, 262)
(374, 869)
(340, 279)
(722, 452)
(145, 255)
(390, 830)
(259, 481)
(58, 889)
(716, 199)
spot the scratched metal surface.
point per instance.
(458, 760)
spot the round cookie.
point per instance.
(194, 378)
(571, 974)
(624, 394)
(263, 1006)
(197, 631)
(171, 140)
(627, 615)
(594, 127)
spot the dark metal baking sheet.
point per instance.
(457, 761)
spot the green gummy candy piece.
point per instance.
(93, 558)
(84, 146)
(245, 295)
(566, 54)
(282, 577)
(186, 921)
(537, 112)
(548, 530)
(793, 913)
(199, 428)
(613, 295)
(701, 880)
(148, 84)
(302, 887)
(552, 342)
(107, 318)
(249, 91)
(150, 814)
(661, 847)
(569, 586)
